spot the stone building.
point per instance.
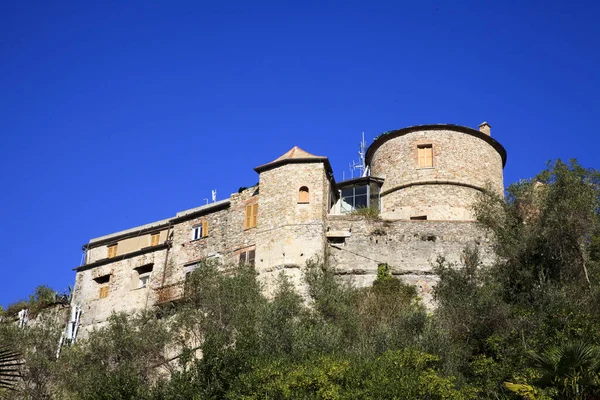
(422, 180)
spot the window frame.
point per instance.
(143, 277)
(424, 150)
(372, 197)
(200, 231)
(247, 258)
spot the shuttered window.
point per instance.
(112, 251)
(303, 195)
(154, 239)
(103, 292)
(204, 229)
(251, 218)
(425, 156)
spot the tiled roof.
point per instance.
(295, 154)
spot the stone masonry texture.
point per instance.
(289, 232)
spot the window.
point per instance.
(112, 251)
(303, 195)
(354, 197)
(154, 239)
(251, 216)
(143, 276)
(188, 269)
(103, 292)
(425, 155)
(103, 282)
(247, 258)
(200, 231)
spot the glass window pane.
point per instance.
(360, 190)
(346, 205)
(360, 201)
(347, 192)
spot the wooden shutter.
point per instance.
(204, 229)
(425, 156)
(154, 238)
(103, 292)
(254, 214)
(112, 251)
(428, 156)
(248, 219)
(303, 195)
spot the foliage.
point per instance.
(370, 213)
(524, 325)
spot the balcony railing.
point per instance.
(168, 293)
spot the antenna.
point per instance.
(214, 195)
(360, 165)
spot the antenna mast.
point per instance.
(361, 164)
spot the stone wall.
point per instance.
(457, 158)
(123, 291)
(358, 245)
(289, 233)
(437, 202)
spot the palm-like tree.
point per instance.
(573, 369)
(10, 362)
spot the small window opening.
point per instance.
(303, 195)
(188, 269)
(341, 240)
(143, 276)
(419, 218)
(101, 280)
(247, 258)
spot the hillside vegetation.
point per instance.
(527, 326)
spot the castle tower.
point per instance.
(294, 198)
(435, 172)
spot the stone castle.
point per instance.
(423, 180)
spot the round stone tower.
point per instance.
(435, 172)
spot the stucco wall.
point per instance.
(124, 246)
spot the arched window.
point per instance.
(303, 195)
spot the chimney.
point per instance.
(484, 127)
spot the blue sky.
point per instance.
(116, 114)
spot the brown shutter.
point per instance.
(248, 218)
(103, 292)
(254, 214)
(112, 251)
(154, 239)
(303, 195)
(429, 156)
(204, 228)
